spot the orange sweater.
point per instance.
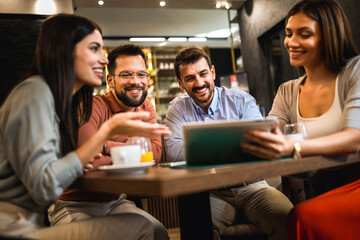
(104, 107)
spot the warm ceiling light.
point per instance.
(162, 44)
(45, 7)
(197, 39)
(101, 2)
(224, 4)
(149, 39)
(177, 39)
(162, 3)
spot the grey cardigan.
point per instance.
(32, 171)
(284, 106)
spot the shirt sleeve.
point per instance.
(174, 144)
(280, 108)
(32, 141)
(88, 129)
(249, 109)
(351, 91)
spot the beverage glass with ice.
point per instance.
(295, 131)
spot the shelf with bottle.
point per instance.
(166, 65)
(166, 86)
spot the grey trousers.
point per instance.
(257, 203)
(124, 221)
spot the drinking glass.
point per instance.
(295, 131)
(145, 146)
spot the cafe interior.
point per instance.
(244, 39)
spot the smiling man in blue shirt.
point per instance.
(256, 203)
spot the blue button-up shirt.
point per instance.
(227, 104)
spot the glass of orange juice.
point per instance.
(145, 145)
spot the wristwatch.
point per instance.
(297, 150)
(104, 149)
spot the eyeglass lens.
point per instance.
(127, 75)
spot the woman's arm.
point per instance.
(120, 124)
(274, 145)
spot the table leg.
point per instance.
(195, 216)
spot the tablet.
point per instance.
(218, 142)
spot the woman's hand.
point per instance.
(267, 145)
(130, 124)
(89, 166)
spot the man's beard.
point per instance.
(128, 101)
(194, 90)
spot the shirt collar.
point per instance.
(213, 104)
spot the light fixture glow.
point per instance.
(45, 7)
(197, 39)
(101, 2)
(177, 39)
(149, 39)
(162, 44)
(162, 3)
(224, 4)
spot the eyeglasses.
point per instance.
(127, 75)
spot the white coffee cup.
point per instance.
(126, 155)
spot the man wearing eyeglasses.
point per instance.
(128, 82)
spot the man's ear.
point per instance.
(110, 80)
(180, 83)
(213, 72)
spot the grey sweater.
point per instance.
(32, 173)
(284, 106)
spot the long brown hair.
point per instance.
(338, 42)
(54, 61)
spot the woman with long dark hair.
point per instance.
(320, 44)
(39, 123)
(326, 99)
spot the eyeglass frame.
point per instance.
(132, 75)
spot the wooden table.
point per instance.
(192, 185)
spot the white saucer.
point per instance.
(128, 168)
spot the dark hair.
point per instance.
(190, 56)
(127, 50)
(54, 61)
(338, 44)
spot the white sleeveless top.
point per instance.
(326, 124)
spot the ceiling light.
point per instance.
(192, 39)
(177, 39)
(45, 7)
(224, 4)
(101, 2)
(162, 3)
(149, 39)
(162, 44)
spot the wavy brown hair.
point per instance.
(337, 38)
